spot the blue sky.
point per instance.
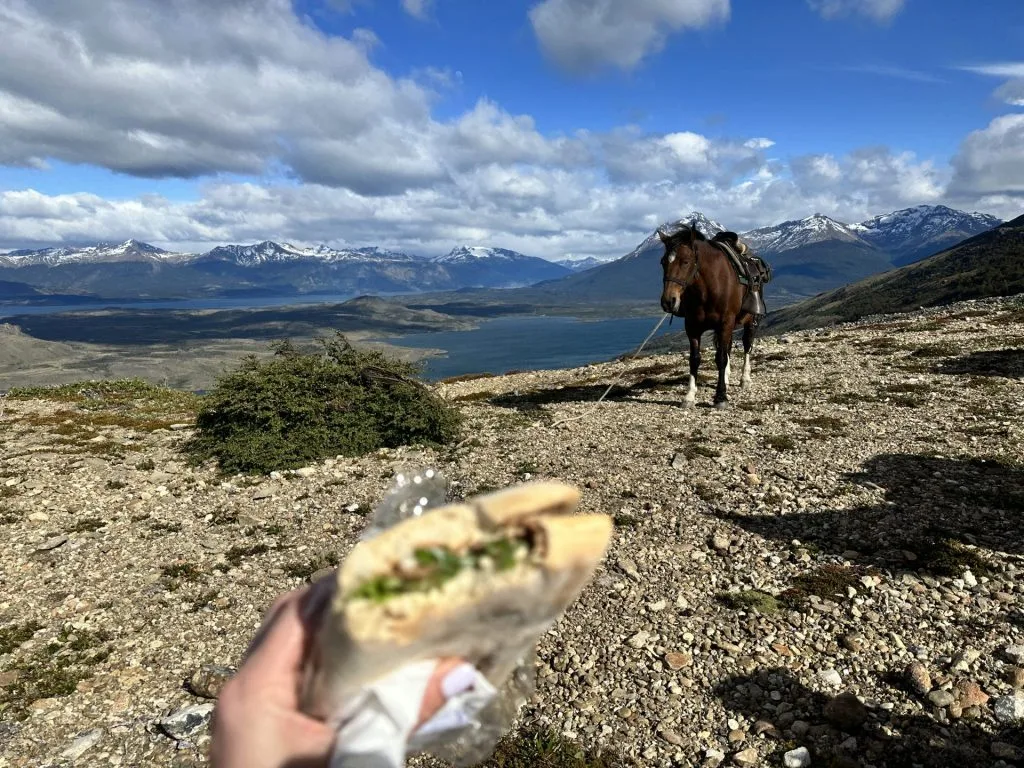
(556, 127)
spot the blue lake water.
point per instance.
(529, 343)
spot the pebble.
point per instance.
(831, 678)
(969, 694)
(941, 698)
(186, 722)
(676, 661)
(1009, 709)
(918, 678)
(209, 679)
(83, 744)
(797, 758)
(746, 758)
(1015, 677)
(1015, 653)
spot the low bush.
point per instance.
(294, 408)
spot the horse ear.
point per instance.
(664, 238)
(696, 233)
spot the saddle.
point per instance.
(752, 271)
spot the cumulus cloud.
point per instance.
(991, 161)
(878, 10)
(542, 210)
(584, 36)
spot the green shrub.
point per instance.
(294, 408)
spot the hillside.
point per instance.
(989, 264)
(775, 567)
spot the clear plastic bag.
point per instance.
(413, 492)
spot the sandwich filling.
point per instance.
(430, 568)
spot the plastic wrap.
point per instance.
(413, 492)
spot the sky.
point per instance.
(558, 128)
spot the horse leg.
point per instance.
(748, 346)
(691, 389)
(724, 336)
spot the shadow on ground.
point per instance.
(997, 362)
(917, 741)
(932, 508)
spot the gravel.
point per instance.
(763, 601)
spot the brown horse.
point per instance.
(701, 286)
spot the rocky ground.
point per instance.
(830, 572)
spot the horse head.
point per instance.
(680, 265)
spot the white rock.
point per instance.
(830, 677)
(82, 744)
(797, 758)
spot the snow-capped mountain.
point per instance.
(479, 267)
(129, 250)
(269, 252)
(469, 254)
(913, 233)
(579, 265)
(799, 233)
(708, 227)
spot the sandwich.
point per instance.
(480, 580)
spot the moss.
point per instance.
(750, 599)
(294, 408)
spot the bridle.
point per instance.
(694, 270)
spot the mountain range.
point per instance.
(808, 255)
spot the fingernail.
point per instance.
(459, 680)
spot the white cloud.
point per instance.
(246, 86)
(1011, 92)
(417, 8)
(991, 160)
(584, 36)
(878, 10)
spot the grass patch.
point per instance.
(53, 670)
(706, 491)
(146, 465)
(98, 394)
(303, 570)
(829, 582)
(537, 747)
(948, 557)
(937, 350)
(236, 554)
(14, 635)
(625, 520)
(7, 492)
(781, 442)
(751, 599)
(527, 467)
(115, 485)
(293, 409)
(830, 424)
(87, 524)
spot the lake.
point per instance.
(529, 343)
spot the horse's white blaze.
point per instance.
(691, 390)
(746, 369)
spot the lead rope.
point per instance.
(617, 378)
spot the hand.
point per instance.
(257, 722)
